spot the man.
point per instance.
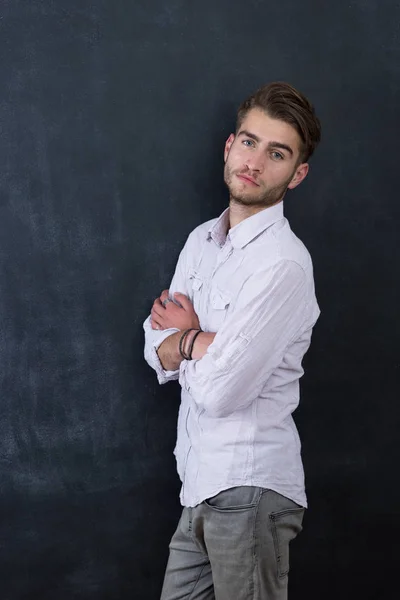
(234, 327)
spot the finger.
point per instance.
(164, 295)
(157, 312)
(155, 324)
(158, 306)
(184, 301)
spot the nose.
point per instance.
(255, 161)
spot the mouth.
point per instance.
(247, 179)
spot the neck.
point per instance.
(239, 212)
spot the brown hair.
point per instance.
(282, 101)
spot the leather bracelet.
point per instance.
(192, 343)
(182, 338)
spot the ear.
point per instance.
(228, 145)
(300, 174)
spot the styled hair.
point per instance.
(279, 100)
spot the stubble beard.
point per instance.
(259, 197)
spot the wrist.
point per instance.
(200, 347)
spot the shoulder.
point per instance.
(289, 247)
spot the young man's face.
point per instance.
(262, 161)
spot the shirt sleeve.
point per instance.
(154, 338)
(269, 314)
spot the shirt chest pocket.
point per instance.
(209, 301)
(196, 280)
(220, 301)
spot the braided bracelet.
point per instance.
(192, 343)
(183, 337)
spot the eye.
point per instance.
(249, 143)
(277, 155)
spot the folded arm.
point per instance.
(170, 356)
(171, 314)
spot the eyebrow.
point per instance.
(271, 145)
(252, 136)
(280, 145)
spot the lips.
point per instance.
(247, 179)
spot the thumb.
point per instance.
(183, 301)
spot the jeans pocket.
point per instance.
(235, 499)
(285, 526)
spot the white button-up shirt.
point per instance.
(253, 285)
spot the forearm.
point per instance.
(169, 353)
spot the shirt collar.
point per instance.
(247, 230)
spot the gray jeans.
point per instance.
(234, 546)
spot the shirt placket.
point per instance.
(223, 255)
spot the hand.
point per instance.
(171, 315)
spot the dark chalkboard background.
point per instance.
(113, 117)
